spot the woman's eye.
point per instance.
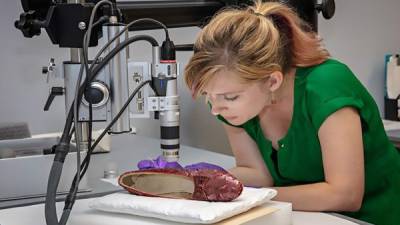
(231, 98)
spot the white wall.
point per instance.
(360, 34)
(22, 86)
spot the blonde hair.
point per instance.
(253, 42)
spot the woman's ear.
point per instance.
(274, 81)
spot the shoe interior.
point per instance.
(164, 185)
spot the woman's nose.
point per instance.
(216, 110)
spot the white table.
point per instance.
(126, 151)
(82, 214)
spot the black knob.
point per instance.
(45, 69)
(327, 7)
(93, 95)
(27, 24)
(96, 94)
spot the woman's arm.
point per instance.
(250, 167)
(343, 158)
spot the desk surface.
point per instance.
(82, 214)
(126, 151)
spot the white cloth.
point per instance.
(182, 210)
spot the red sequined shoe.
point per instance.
(205, 185)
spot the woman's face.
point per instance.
(234, 100)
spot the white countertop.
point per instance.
(126, 151)
(82, 214)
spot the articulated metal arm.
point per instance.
(65, 23)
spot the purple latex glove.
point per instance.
(204, 165)
(160, 162)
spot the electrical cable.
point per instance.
(104, 62)
(61, 151)
(119, 113)
(120, 47)
(97, 69)
(76, 114)
(117, 36)
(63, 146)
(70, 112)
(69, 116)
(83, 167)
(70, 199)
(126, 28)
(65, 138)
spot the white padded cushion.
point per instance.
(182, 210)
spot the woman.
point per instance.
(296, 120)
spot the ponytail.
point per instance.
(253, 43)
